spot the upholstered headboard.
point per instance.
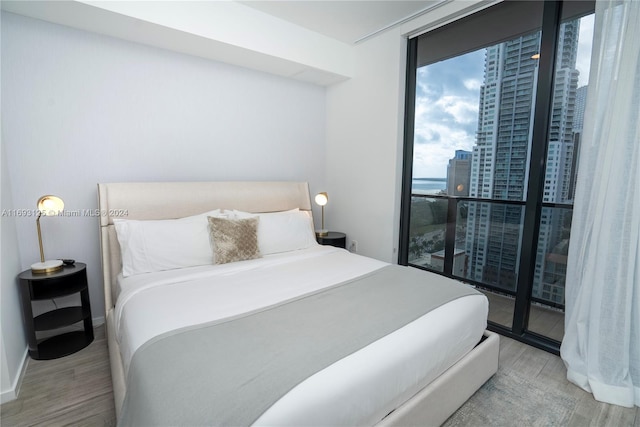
(170, 200)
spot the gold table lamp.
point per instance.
(48, 206)
(322, 199)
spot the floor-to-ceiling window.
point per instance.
(494, 116)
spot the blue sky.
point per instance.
(447, 101)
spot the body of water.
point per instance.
(428, 185)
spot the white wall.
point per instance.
(13, 344)
(81, 108)
(12, 339)
(364, 143)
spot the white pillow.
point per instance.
(283, 231)
(157, 245)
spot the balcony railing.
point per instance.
(443, 228)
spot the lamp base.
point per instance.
(322, 233)
(46, 266)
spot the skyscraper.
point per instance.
(555, 223)
(500, 160)
(458, 174)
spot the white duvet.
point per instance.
(357, 390)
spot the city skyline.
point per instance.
(500, 163)
(495, 166)
(447, 95)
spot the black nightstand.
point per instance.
(334, 238)
(68, 281)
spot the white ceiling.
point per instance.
(348, 21)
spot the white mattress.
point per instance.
(357, 390)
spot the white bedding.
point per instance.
(154, 303)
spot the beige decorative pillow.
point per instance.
(234, 239)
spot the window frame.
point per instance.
(551, 17)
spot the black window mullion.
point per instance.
(407, 162)
(533, 209)
(450, 235)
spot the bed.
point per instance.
(294, 333)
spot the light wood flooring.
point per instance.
(76, 390)
(70, 391)
(549, 372)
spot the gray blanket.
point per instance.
(229, 372)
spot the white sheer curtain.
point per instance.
(601, 346)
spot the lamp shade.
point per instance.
(322, 199)
(48, 206)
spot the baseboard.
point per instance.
(14, 391)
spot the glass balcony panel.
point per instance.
(488, 243)
(546, 315)
(427, 232)
(501, 307)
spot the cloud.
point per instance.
(462, 109)
(472, 84)
(446, 111)
(585, 41)
(431, 160)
